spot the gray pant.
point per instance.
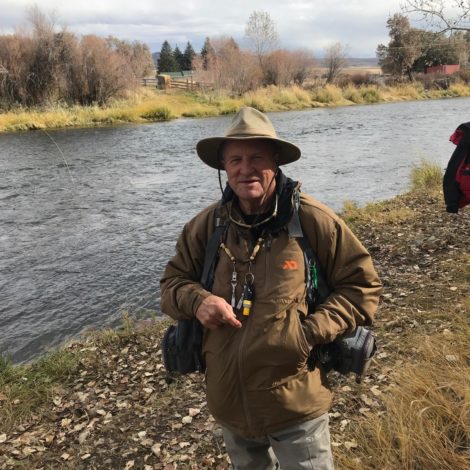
(302, 446)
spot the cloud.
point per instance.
(301, 24)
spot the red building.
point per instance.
(445, 69)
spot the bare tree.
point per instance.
(335, 61)
(228, 67)
(261, 33)
(136, 53)
(441, 15)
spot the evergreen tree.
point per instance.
(189, 55)
(207, 52)
(179, 59)
(403, 49)
(166, 62)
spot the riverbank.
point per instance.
(150, 105)
(103, 401)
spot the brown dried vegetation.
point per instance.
(45, 66)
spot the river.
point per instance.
(89, 217)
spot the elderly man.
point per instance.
(272, 407)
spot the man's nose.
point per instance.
(246, 166)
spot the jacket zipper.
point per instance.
(240, 374)
(240, 366)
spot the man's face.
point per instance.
(250, 166)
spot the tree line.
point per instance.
(45, 66)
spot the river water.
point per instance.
(89, 217)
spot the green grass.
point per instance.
(25, 388)
(379, 213)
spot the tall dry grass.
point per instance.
(426, 423)
(149, 105)
(426, 176)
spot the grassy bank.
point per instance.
(103, 401)
(149, 105)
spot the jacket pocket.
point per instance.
(291, 399)
(302, 338)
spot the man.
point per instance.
(272, 408)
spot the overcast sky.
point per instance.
(359, 24)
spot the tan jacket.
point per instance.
(257, 377)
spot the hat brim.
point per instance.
(208, 149)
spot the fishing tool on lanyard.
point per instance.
(248, 292)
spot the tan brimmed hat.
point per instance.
(248, 123)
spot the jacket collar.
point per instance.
(285, 188)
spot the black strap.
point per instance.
(315, 296)
(212, 253)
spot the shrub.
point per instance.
(463, 75)
(47, 66)
(356, 79)
(157, 114)
(351, 93)
(427, 176)
(328, 94)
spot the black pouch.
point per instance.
(181, 347)
(349, 353)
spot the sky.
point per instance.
(360, 25)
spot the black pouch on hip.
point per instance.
(349, 353)
(181, 347)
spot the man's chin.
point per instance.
(250, 196)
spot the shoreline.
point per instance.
(103, 401)
(148, 105)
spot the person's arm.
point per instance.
(351, 276)
(181, 291)
(182, 295)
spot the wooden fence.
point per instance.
(149, 81)
(183, 83)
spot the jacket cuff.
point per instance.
(199, 298)
(308, 333)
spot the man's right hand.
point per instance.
(215, 311)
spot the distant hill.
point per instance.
(362, 62)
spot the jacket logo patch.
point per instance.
(290, 264)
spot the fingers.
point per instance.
(215, 311)
(232, 320)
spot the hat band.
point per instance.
(253, 134)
